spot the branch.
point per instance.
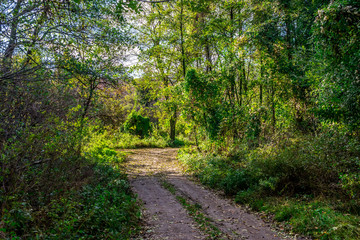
(33, 164)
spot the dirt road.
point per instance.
(176, 208)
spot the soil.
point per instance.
(166, 218)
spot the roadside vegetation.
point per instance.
(309, 184)
(75, 196)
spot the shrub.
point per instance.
(236, 181)
(136, 124)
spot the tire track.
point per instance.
(166, 217)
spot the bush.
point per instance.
(236, 181)
(136, 124)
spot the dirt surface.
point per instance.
(166, 218)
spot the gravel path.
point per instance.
(166, 218)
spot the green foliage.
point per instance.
(253, 129)
(100, 148)
(350, 182)
(247, 196)
(235, 181)
(304, 165)
(268, 90)
(118, 140)
(204, 108)
(302, 169)
(315, 218)
(136, 124)
(337, 34)
(94, 203)
(105, 209)
(52, 186)
(126, 140)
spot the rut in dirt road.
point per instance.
(166, 217)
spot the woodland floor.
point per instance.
(176, 207)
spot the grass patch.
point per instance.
(168, 186)
(204, 222)
(102, 209)
(195, 212)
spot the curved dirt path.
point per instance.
(156, 177)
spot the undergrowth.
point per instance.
(72, 195)
(309, 183)
(120, 140)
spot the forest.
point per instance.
(261, 98)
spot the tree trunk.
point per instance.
(273, 108)
(173, 125)
(240, 87)
(208, 57)
(7, 60)
(261, 79)
(35, 35)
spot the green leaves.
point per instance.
(137, 125)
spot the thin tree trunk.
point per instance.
(240, 89)
(273, 108)
(35, 35)
(208, 57)
(244, 77)
(173, 125)
(7, 60)
(196, 139)
(86, 108)
(261, 78)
